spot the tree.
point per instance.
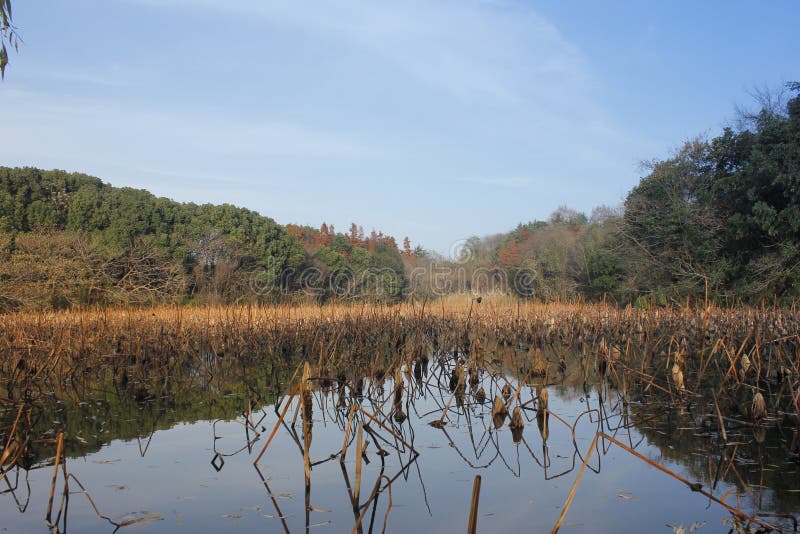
(50, 269)
(353, 235)
(407, 247)
(341, 244)
(218, 246)
(8, 34)
(324, 236)
(144, 274)
(603, 214)
(757, 183)
(604, 273)
(671, 226)
(568, 216)
(722, 215)
(508, 255)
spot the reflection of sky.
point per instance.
(176, 479)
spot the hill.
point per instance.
(69, 239)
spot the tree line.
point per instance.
(69, 239)
(718, 220)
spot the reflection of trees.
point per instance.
(105, 410)
(377, 404)
(746, 463)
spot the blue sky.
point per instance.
(437, 120)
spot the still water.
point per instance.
(180, 459)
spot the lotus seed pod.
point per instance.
(759, 408)
(516, 419)
(677, 377)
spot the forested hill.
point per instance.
(37, 200)
(69, 239)
(721, 217)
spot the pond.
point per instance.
(178, 453)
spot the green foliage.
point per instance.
(605, 273)
(368, 275)
(149, 248)
(330, 258)
(724, 213)
(31, 199)
(721, 217)
(341, 244)
(671, 224)
(360, 260)
(8, 34)
(228, 243)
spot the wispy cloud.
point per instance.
(86, 77)
(470, 50)
(388, 113)
(78, 125)
(510, 182)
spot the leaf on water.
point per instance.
(626, 496)
(132, 519)
(141, 521)
(320, 524)
(106, 461)
(315, 509)
(120, 487)
(231, 516)
(178, 516)
(677, 529)
(696, 526)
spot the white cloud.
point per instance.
(471, 50)
(511, 182)
(87, 77)
(485, 94)
(75, 126)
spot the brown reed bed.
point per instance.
(731, 354)
(741, 345)
(739, 366)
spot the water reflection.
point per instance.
(227, 445)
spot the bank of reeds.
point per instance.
(684, 348)
(739, 365)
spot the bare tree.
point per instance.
(143, 274)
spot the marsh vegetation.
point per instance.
(376, 418)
